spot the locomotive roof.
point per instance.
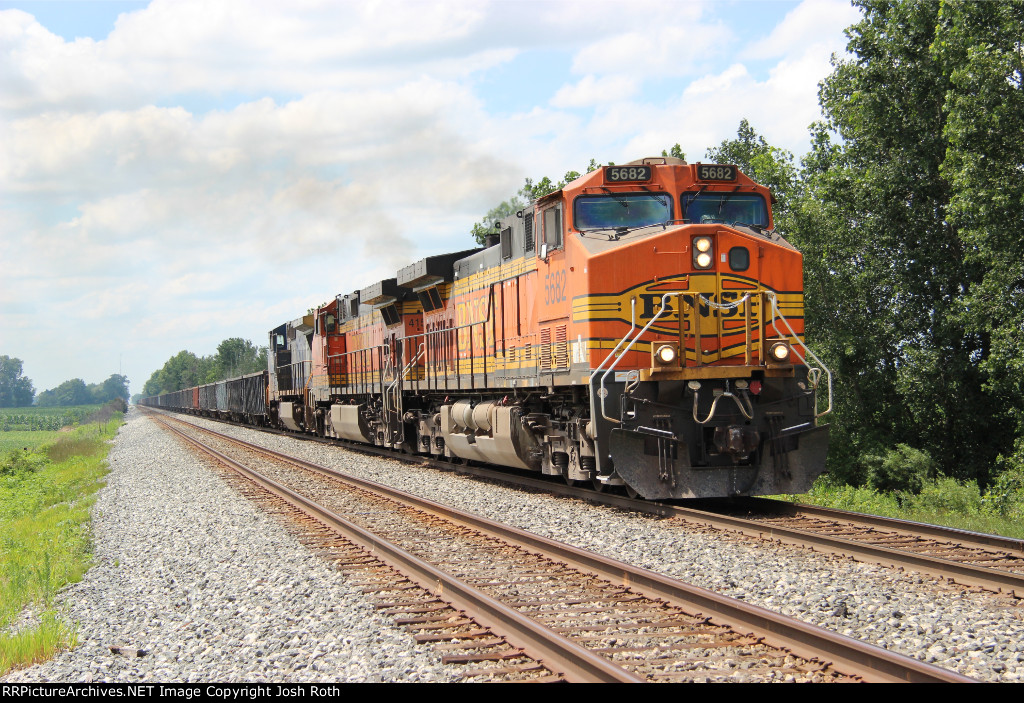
(432, 270)
(382, 292)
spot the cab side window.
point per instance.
(553, 227)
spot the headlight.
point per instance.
(779, 352)
(665, 354)
(703, 252)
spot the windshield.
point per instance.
(705, 206)
(616, 210)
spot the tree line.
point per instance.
(908, 210)
(18, 391)
(234, 357)
(77, 392)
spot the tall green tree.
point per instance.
(495, 214)
(15, 390)
(183, 370)
(114, 387)
(153, 386)
(76, 392)
(768, 165)
(981, 44)
(885, 266)
(527, 194)
(237, 357)
(675, 151)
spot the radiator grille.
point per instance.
(545, 349)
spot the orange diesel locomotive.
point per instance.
(642, 327)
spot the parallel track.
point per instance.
(989, 562)
(986, 561)
(607, 621)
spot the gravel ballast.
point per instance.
(174, 577)
(211, 589)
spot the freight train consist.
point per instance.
(642, 327)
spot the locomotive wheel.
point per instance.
(565, 475)
(597, 485)
(630, 491)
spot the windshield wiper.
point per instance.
(722, 202)
(613, 233)
(691, 201)
(620, 200)
(622, 230)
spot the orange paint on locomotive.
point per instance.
(577, 296)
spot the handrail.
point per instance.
(289, 365)
(698, 352)
(813, 373)
(386, 398)
(405, 370)
(437, 332)
(632, 327)
(361, 372)
(603, 393)
(817, 376)
(387, 374)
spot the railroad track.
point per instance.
(989, 562)
(545, 610)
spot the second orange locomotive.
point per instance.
(643, 327)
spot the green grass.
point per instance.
(45, 540)
(38, 644)
(943, 501)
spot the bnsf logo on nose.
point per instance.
(651, 304)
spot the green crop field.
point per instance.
(37, 419)
(24, 439)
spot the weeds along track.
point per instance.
(511, 605)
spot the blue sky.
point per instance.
(176, 172)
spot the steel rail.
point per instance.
(808, 641)
(986, 578)
(556, 652)
(964, 537)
